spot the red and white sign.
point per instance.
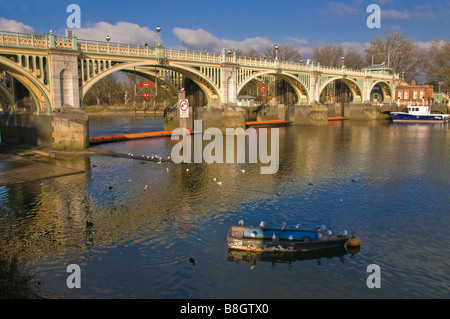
(184, 108)
(146, 95)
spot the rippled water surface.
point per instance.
(389, 183)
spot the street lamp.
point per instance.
(276, 51)
(343, 62)
(107, 39)
(158, 29)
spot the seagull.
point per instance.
(129, 181)
(219, 183)
(243, 170)
(262, 224)
(241, 223)
(159, 162)
(214, 179)
(187, 169)
(340, 200)
(145, 187)
(298, 226)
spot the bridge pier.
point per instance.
(66, 129)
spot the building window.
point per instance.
(400, 94)
(406, 95)
(415, 95)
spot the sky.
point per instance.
(216, 24)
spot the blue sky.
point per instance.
(212, 25)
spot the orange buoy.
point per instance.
(353, 241)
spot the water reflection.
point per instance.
(393, 182)
(289, 258)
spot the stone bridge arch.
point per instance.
(39, 91)
(354, 87)
(386, 90)
(296, 83)
(209, 88)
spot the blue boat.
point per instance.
(418, 114)
(261, 239)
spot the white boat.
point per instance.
(419, 114)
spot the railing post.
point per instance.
(51, 40)
(74, 42)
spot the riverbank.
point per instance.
(21, 164)
(123, 110)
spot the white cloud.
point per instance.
(395, 14)
(339, 10)
(122, 32)
(203, 40)
(15, 26)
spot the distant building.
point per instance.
(245, 100)
(414, 94)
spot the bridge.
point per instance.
(58, 71)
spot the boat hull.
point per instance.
(421, 118)
(240, 238)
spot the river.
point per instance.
(387, 182)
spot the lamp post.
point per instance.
(158, 30)
(276, 52)
(108, 38)
(343, 62)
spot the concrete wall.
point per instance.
(61, 130)
(315, 114)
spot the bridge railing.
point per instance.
(45, 41)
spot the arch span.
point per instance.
(39, 91)
(354, 87)
(209, 88)
(298, 86)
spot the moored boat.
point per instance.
(418, 114)
(261, 239)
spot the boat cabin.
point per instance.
(418, 110)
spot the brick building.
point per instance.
(413, 94)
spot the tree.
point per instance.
(286, 52)
(331, 55)
(397, 51)
(437, 64)
(328, 55)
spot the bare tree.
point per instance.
(331, 55)
(328, 55)
(353, 59)
(437, 64)
(286, 52)
(397, 51)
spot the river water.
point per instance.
(389, 183)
